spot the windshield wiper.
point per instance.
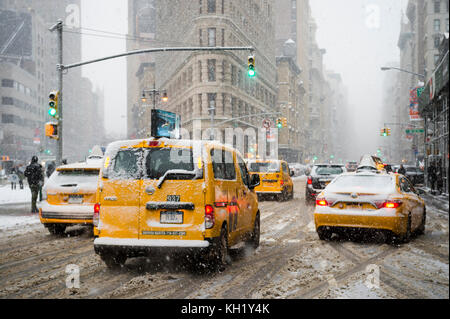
(175, 172)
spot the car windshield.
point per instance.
(328, 170)
(372, 183)
(76, 176)
(410, 169)
(265, 167)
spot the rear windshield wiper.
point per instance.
(68, 185)
(175, 172)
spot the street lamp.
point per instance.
(153, 93)
(387, 68)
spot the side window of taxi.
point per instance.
(285, 168)
(244, 172)
(126, 164)
(223, 164)
(404, 186)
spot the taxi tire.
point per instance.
(421, 229)
(220, 251)
(407, 236)
(114, 261)
(56, 229)
(255, 237)
(324, 233)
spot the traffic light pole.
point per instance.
(59, 142)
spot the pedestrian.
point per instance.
(35, 176)
(401, 170)
(20, 174)
(432, 175)
(13, 178)
(439, 179)
(50, 169)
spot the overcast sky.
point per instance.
(359, 36)
(111, 16)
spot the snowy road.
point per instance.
(291, 262)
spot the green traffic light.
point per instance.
(52, 111)
(251, 73)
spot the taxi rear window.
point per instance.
(76, 176)
(364, 182)
(153, 163)
(160, 160)
(265, 167)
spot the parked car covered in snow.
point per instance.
(69, 196)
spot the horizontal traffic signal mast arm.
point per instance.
(174, 49)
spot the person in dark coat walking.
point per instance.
(35, 176)
(432, 177)
(50, 169)
(401, 170)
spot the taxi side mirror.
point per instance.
(291, 173)
(254, 181)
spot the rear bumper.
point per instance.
(386, 219)
(137, 247)
(67, 214)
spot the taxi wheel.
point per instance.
(407, 235)
(114, 261)
(282, 197)
(56, 229)
(421, 229)
(254, 239)
(324, 233)
(220, 251)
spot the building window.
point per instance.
(233, 75)
(7, 118)
(223, 6)
(437, 6)
(212, 70)
(200, 106)
(212, 37)
(200, 38)
(437, 25)
(200, 71)
(7, 100)
(200, 4)
(436, 58)
(211, 6)
(223, 36)
(446, 25)
(437, 41)
(212, 103)
(7, 83)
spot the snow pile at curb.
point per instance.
(14, 196)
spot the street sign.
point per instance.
(414, 131)
(267, 123)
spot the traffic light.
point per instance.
(53, 104)
(383, 132)
(284, 121)
(251, 66)
(279, 123)
(51, 130)
(388, 132)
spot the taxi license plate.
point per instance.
(75, 199)
(171, 218)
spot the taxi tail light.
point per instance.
(309, 180)
(322, 202)
(281, 182)
(96, 217)
(391, 204)
(153, 143)
(209, 216)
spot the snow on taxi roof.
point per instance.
(81, 165)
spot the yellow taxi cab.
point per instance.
(166, 195)
(368, 162)
(275, 177)
(367, 200)
(69, 196)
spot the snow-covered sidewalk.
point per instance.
(14, 196)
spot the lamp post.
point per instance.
(387, 68)
(153, 93)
